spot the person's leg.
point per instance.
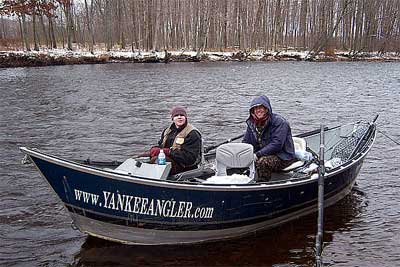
(264, 166)
(268, 164)
(286, 163)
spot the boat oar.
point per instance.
(207, 149)
(99, 163)
(109, 163)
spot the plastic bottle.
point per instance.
(161, 158)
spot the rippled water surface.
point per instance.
(113, 111)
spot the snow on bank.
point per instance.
(258, 54)
(62, 56)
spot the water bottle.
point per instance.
(161, 158)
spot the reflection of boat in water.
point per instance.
(139, 203)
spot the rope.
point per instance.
(388, 137)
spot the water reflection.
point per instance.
(288, 245)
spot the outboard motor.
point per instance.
(235, 155)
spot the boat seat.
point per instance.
(234, 155)
(299, 146)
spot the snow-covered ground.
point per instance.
(81, 56)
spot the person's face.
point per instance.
(179, 120)
(260, 112)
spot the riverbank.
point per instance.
(63, 57)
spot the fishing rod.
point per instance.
(207, 149)
(102, 163)
(116, 163)
(26, 160)
(113, 163)
(147, 154)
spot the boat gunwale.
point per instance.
(180, 185)
(197, 186)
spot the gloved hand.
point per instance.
(154, 151)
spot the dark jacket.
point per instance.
(189, 152)
(276, 137)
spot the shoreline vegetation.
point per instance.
(9, 59)
(94, 31)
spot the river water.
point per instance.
(114, 111)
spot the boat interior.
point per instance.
(233, 163)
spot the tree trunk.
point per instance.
(35, 39)
(52, 35)
(3, 28)
(69, 22)
(327, 37)
(108, 25)
(25, 33)
(89, 21)
(134, 31)
(44, 32)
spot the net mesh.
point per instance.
(346, 146)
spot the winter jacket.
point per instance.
(276, 137)
(184, 144)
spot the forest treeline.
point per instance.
(203, 25)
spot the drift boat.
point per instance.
(140, 203)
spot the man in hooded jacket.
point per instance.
(271, 137)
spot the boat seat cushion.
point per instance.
(293, 166)
(300, 146)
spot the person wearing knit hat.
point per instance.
(181, 143)
(178, 111)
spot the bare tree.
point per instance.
(89, 24)
(327, 34)
(313, 25)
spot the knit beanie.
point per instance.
(178, 111)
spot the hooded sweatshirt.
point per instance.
(276, 137)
